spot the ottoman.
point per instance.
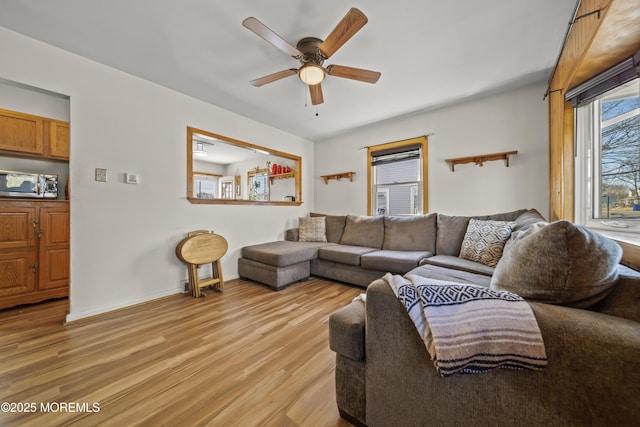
(278, 264)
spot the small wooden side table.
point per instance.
(198, 248)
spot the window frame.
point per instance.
(399, 145)
(588, 131)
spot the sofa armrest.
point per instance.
(592, 377)
(624, 299)
(291, 234)
(346, 331)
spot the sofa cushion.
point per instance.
(484, 240)
(561, 263)
(283, 253)
(410, 233)
(334, 226)
(398, 262)
(504, 216)
(523, 221)
(367, 231)
(452, 275)
(523, 232)
(456, 263)
(312, 229)
(344, 254)
(451, 229)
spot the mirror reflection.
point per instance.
(224, 170)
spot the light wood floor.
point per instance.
(248, 356)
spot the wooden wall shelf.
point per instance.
(338, 176)
(480, 159)
(285, 175)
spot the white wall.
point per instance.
(514, 120)
(123, 236)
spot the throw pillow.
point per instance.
(560, 263)
(484, 240)
(367, 231)
(312, 229)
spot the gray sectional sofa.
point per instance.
(361, 249)
(587, 307)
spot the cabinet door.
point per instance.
(17, 227)
(58, 144)
(17, 271)
(54, 247)
(21, 132)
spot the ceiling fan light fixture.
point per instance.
(311, 74)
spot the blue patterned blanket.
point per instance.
(470, 328)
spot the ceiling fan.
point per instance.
(312, 52)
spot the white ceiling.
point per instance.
(430, 52)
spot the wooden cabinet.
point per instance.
(21, 133)
(34, 251)
(26, 135)
(56, 139)
(54, 247)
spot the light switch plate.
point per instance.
(101, 175)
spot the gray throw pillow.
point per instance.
(367, 231)
(410, 233)
(560, 263)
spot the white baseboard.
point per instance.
(72, 317)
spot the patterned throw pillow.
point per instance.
(484, 240)
(312, 229)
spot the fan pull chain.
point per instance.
(306, 103)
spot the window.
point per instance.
(397, 177)
(258, 184)
(205, 185)
(608, 158)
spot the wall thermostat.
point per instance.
(132, 178)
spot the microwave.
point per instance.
(30, 185)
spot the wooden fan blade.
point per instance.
(316, 94)
(267, 34)
(359, 74)
(346, 28)
(273, 77)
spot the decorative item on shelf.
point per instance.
(480, 159)
(274, 169)
(338, 176)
